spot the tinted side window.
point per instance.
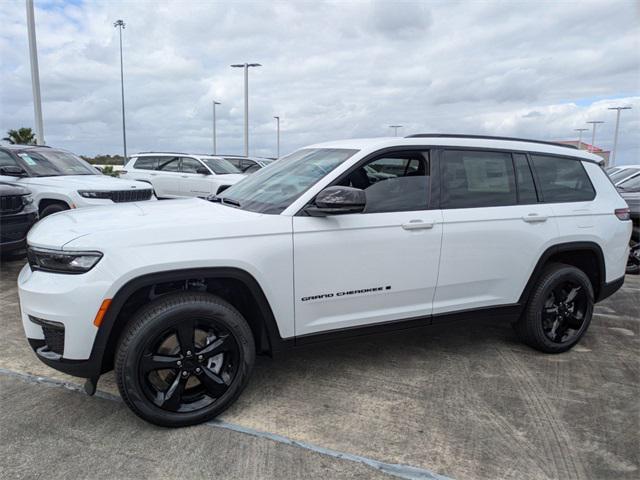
(398, 182)
(524, 178)
(477, 179)
(190, 165)
(168, 164)
(562, 179)
(146, 163)
(7, 160)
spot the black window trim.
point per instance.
(435, 160)
(385, 151)
(533, 178)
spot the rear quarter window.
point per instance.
(562, 179)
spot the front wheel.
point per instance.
(559, 310)
(184, 359)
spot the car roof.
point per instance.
(465, 141)
(18, 147)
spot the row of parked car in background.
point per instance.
(37, 181)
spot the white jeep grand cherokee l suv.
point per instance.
(59, 180)
(182, 174)
(334, 239)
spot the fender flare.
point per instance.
(566, 247)
(106, 329)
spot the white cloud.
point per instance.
(331, 70)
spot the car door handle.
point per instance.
(417, 225)
(534, 218)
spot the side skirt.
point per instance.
(502, 312)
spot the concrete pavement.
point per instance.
(464, 400)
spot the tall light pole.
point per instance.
(580, 136)
(35, 73)
(593, 134)
(277, 137)
(615, 135)
(119, 24)
(395, 127)
(246, 101)
(215, 149)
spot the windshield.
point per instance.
(631, 185)
(53, 163)
(220, 166)
(271, 190)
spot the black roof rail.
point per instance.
(163, 153)
(488, 137)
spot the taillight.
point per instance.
(623, 213)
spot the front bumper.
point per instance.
(14, 229)
(69, 301)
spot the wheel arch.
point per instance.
(235, 285)
(47, 200)
(587, 256)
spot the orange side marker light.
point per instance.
(101, 313)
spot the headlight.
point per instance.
(27, 200)
(94, 194)
(62, 262)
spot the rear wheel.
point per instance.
(184, 359)
(559, 310)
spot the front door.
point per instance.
(195, 184)
(372, 267)
(166, 180)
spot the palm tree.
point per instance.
(22, 136)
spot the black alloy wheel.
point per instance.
(558, 311)
(564, 312)
(190, 366)
(184, 358)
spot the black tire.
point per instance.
(555, 331)
(144, 391)
(53, 208)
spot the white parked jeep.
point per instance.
(60, 180)
(176, 175)
(334, 239)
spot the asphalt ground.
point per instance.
(464, 401)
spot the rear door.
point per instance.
(194, 184)
(372, 267)
(494, 228)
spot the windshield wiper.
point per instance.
(229, 201)
(223, 200)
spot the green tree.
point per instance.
(22, 136)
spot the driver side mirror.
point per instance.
(203, 171)
(12, 171)
(337, 200)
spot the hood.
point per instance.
(87, 182)
(143, 223)
(7, 189)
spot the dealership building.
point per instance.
(591, 148)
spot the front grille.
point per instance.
(132, 195)
(14, 228)
(11, 204)
(53, 334)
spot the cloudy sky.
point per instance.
(330, 70)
